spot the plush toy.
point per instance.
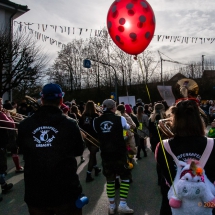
(192, 193)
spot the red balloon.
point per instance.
(131, 25)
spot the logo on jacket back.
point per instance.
(44, 136)
(87, 121)
(106, 126)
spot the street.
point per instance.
(144, 195)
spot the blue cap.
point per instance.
(52, 91)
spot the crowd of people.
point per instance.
(51, 137)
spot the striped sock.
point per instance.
(124, 188)
(110, 189)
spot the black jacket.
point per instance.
(110, 134)
(186, 148)
(49, 142)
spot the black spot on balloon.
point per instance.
(121, 28)
(147, 35)
(130, 12)
(133, 36)
(117, 38)
(142, 18)
(122, 21)
(114, 9)
(144, 4)
(109, 24)
(129, 6)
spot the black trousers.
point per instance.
(141, 146)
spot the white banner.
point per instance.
(166, 94)
(127, 100)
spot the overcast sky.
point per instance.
(186, 18)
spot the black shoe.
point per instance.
(1, 198)
(145, 155)
(117, 184)
(89, 177)
(138, 157)
(97, 171)
(6, 187)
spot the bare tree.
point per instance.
(22, 62)
(148, 64)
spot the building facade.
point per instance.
(9, 11)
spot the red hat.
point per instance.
(64, 108)
(128, 109)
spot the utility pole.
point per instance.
(203, 64)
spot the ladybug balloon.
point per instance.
(131, 25)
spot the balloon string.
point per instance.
(167, 164)
(146, 84)
(161, 141)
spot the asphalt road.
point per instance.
(144, 195)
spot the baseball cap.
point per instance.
(139, 100)
(109, 104)
(52, 91)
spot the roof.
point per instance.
(8, 5)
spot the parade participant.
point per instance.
(64, 108)
(113, 153)
(12, 147)
(147, 111)
(142, 131)
(129, 139)
(50, 141)
(75, 113)
(138, 103)
(74, 109)
(188, 143)
(129, 111)
(4, 116)
(86, 123)
(157, 114)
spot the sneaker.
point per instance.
(111, 210)
(6, 187)
(97, 171)
(20, 170)
(89, 177)
(125, 209)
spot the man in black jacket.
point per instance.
(50, 142)
(113, 153)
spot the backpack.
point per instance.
(193, 193)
